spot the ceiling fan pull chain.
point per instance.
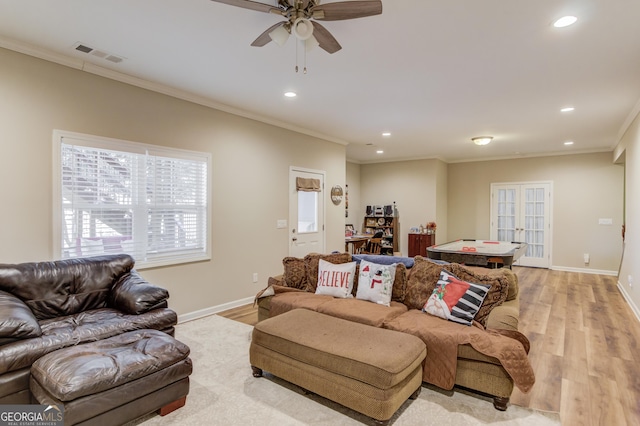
(297, 42)
(305, 61)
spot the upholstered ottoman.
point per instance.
(368, 369)
(113, 381)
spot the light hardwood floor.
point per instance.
(585, 345)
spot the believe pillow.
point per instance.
(456, 300)
(375, 282)
(335, 279)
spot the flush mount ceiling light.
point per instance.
(482, 140)
(567, 109)
(565, 21)
(291, 94)
(386, 134)
(568, 143)
(379, 151)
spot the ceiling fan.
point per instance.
(301, 17)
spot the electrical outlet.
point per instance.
(630, 280)
(255, 277)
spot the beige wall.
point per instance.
(585, 188)
(415, 186)
(629, 151)
(251, 163)
(356, 207)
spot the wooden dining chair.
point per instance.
(374, 246)
(359, 246)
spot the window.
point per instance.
(123, 197)
(307, 212)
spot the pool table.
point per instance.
(478, 252)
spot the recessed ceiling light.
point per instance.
(568, 143)
(565, 21)
(379, 151)
(567, 109)
(386, 134)
(290, 94)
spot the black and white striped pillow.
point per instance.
(469, 297)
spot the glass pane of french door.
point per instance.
(506, 214)
(521, 212)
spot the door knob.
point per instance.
(294, 239)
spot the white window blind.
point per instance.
(123, 197)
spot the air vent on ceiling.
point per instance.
(98, 53)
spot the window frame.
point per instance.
(99, 142)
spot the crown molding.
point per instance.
(91, 68)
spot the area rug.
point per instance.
(224, 392)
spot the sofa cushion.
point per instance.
(361, 311)
(16, 319)
(423, 277)
(285, 302)
(376, 282)
(64, 287)
(311, 266)
(501, 273)
(79, 328)
(335, 280)
(295, 274)
(456, 300)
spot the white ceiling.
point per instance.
(434, 73)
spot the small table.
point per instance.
(351, 244)
(478, 252)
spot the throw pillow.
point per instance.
(294, 273)
(399, 283)
(423, 277)
(499, 282)
(456, 300)
(375, 282)
(335, 280)
(16, 319)
(311, 266)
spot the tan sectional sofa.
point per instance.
(491, 356)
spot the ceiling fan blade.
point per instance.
(325, 40)
(253, 5)
(347, 10)
(264, 38)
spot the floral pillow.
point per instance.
(375, 282)
(335, 279)
(456, 300)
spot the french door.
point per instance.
(522, 212)
(306, 212)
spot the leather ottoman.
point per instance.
(116, 380)
(368, 369)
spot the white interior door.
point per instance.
(306, 213)
(522, 212)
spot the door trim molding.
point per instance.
(550, 225)
(323, 173)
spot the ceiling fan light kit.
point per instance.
(280, 35)
(301, 20)
(302, 28)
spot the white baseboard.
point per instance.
(585, 270)
(630, 302)
(214, 310)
